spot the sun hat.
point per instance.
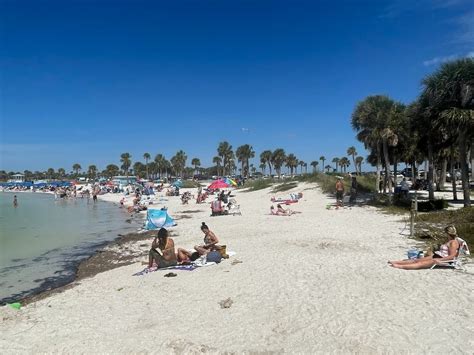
(451, 230)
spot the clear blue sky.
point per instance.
(84, 81)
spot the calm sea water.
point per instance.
(43, 240)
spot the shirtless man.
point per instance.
(339, 193)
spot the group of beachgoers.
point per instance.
(340, 191)
(163, 253)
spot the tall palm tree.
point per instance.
(196, 163)
(266, 158)
(160, 162)
(328, 167)
(224, 150)
(50, 173)
(301, 164)
(323, 159)
(278, 159)
(126, 160)
(243, 154)
(112, 170)
(351, 151)
(314, 164)
(358, 162)
(291, 162)
(147, 157)
(262, 167)
(450, 91)
(179, 162)
(92, 171)
(76, 167)
(336, 162)
(217, 160)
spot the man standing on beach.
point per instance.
(339, 193)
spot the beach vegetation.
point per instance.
(314, 164)
(147, 158)
(196, 163)
(225, 152)
(266, 158)
(126, 160)
(76, 168)
(284, 187)
(178, 162)
(258, 184)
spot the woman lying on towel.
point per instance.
(210, 244)
(447, 251)
(162, 250)
(280, 211)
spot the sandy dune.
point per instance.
(313, 282)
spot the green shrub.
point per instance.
(189, 184)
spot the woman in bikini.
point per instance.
(162, 250)
(447, 251)
(210, 241)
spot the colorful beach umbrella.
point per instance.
(230, 182)
(219, 184)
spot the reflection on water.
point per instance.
(43, 239)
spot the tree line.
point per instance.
(438, 127)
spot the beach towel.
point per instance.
(148, 270)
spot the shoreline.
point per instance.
(87, 267)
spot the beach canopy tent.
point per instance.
(178, 184)
(156, 219)
(218, 184)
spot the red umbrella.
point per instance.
(219, 184)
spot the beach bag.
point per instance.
(214, 256)
(222, 249)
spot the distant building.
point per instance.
(124, 180)
(17, 178)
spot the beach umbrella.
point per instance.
(219, 184)
(230, 182)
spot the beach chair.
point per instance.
(456, 263)
(234, 209)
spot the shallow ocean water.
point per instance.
(43, 240)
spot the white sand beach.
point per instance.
(314, 282)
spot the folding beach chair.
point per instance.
(234, 209)
(456, 263)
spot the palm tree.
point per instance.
(224, 150)
(327, 167)
(111, 170)
(92, 171)
(266, 158)
(358, 162)
(302, 164)
(323, 159)
(278, 159)
(217, 160)
(344, 163)
(450, 91)
(76, 167)
(336, 161)
(376, 119)
(243, 154)
(50, 173)
(291, 162)
(179, 162)
(160, 162)
(125, 159)
(147, 157)
(314, 164)
(262, 167)
(351, 151)
(61, 173)
(196, 163)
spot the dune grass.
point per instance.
(327, 182)
(430, 225)
(255, 185)
(284, 186)
(188, 184)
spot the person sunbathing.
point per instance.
(280, 211)
(162, 250)
(447, 252)
(210, 241)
